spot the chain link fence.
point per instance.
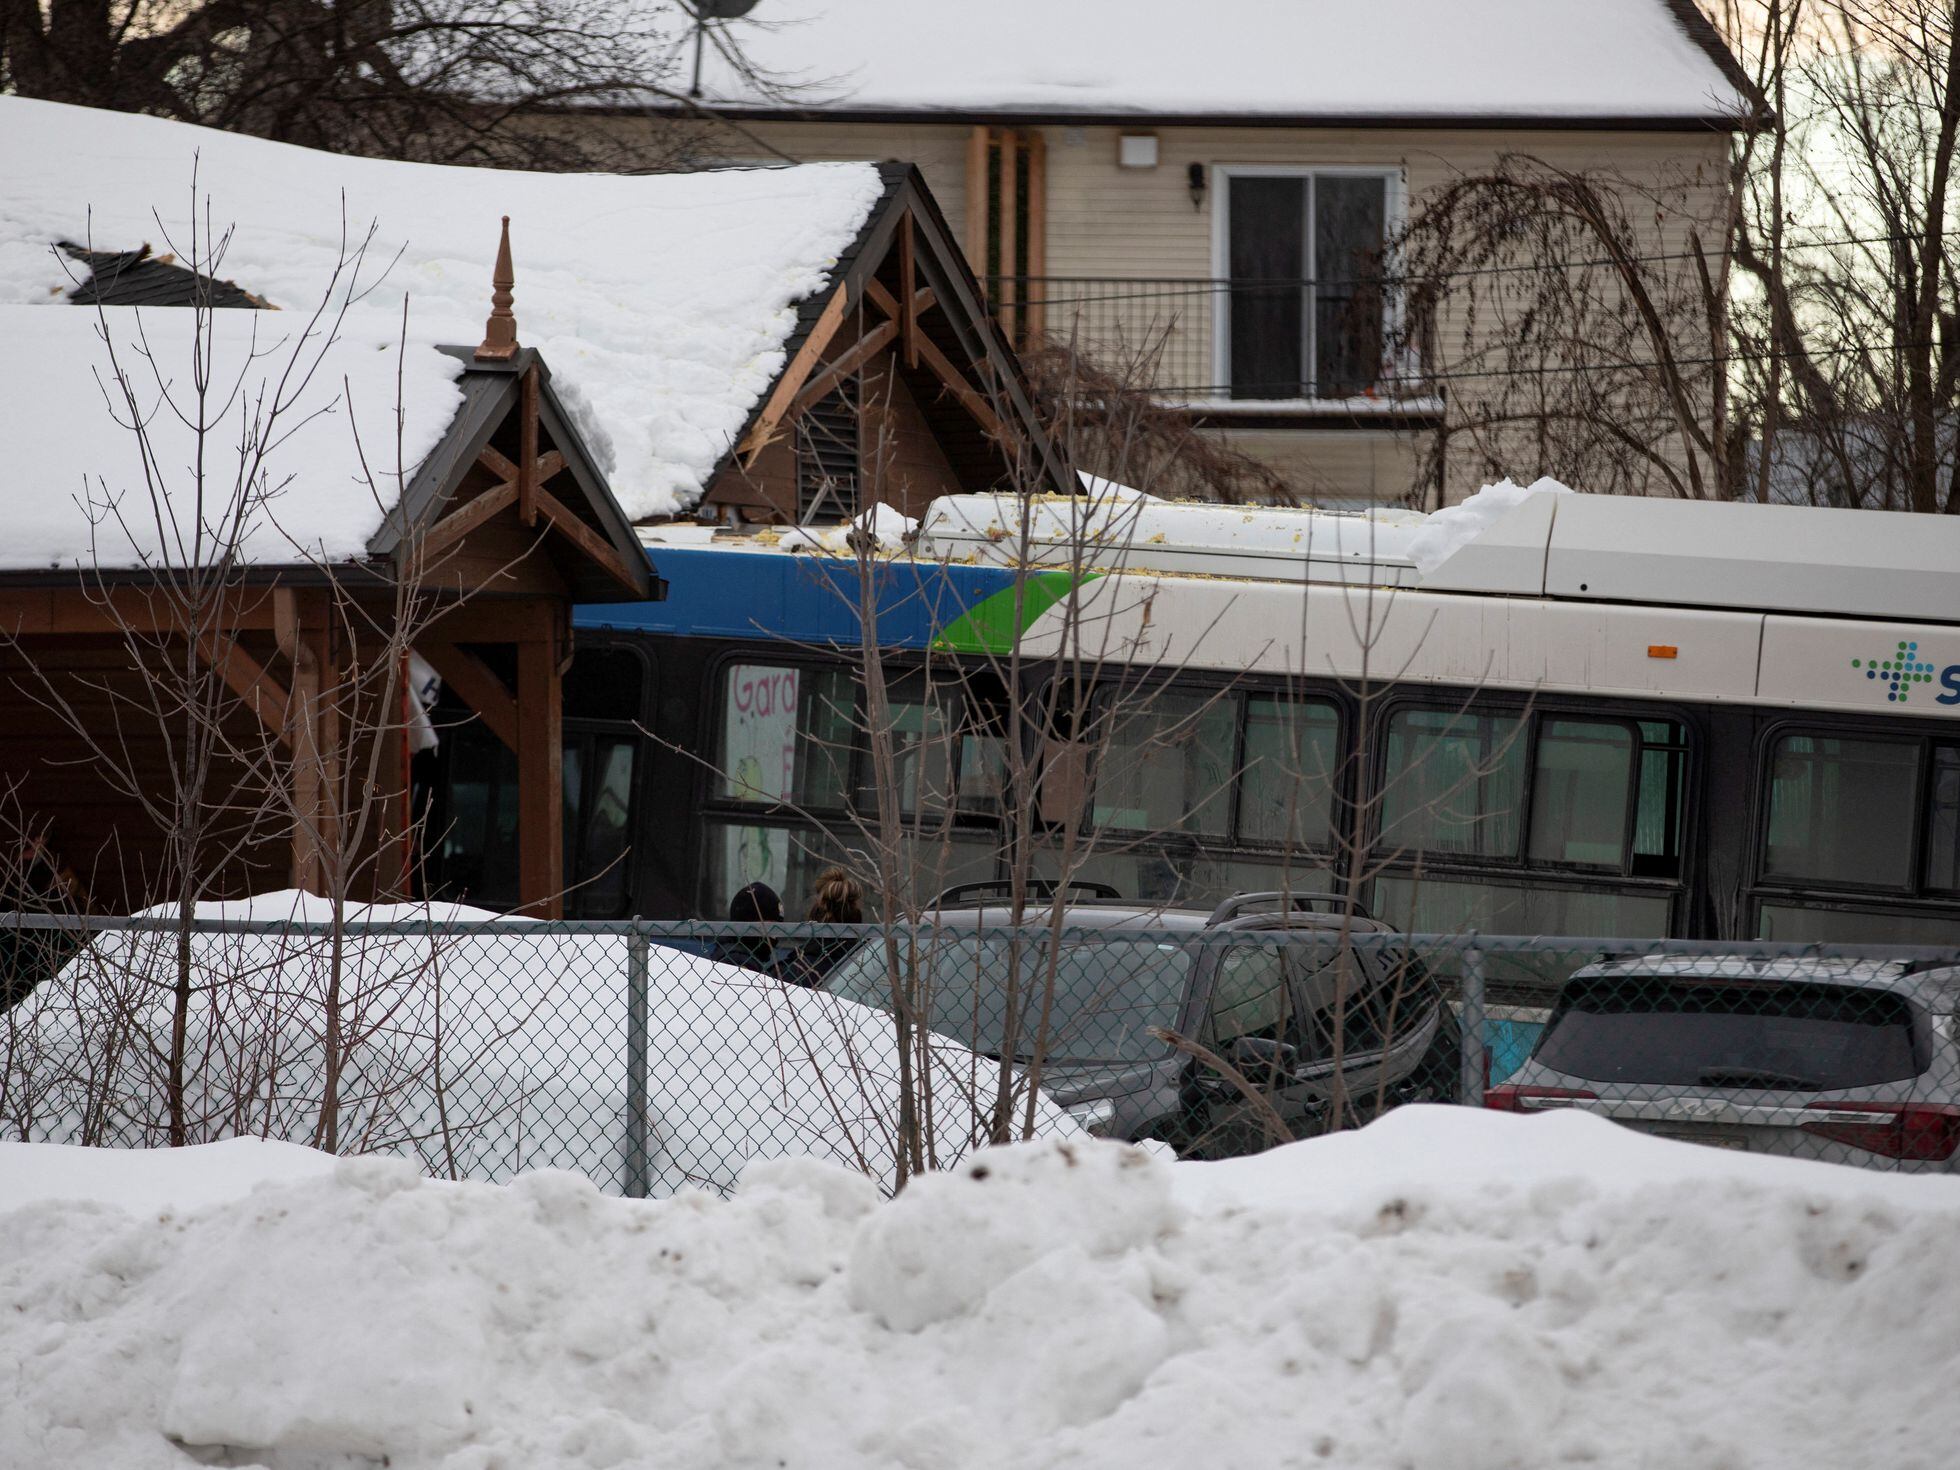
(654, 1057)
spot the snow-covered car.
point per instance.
(1851, 1061)
(505, 1047)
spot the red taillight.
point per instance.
(1513, 1099)
(1925, 1131)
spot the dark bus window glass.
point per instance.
(572, 784)
(1842, 811)
(604, 684)
(1943, 824)
(477, 854)
(1286, 792)
(1790, 1036)
(601, 875)
(786, 735)
(1454, 783)
(1167, 766)
(1579, 793)
(922, 746)
(1661, 807)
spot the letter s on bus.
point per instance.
(1950, 681)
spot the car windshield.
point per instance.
(1793, 1036)
(1107, 992)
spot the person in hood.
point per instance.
(756, 904)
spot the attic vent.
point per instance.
(827, 457)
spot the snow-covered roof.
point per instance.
(77, 491)
(662, 303)
(1585, 60)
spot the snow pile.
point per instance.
(1444, 532)
(1446, 1288)
(883, 527)
(1234, 58)
(475, 1054)
(661, 302)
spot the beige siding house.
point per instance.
(1206, 190)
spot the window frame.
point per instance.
(1768, 888)
(1395, 212)
(1214, 687)
(1520, 867)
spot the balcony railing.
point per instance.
(1171, 334)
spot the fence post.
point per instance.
(637, 1172)
(1471, 1090)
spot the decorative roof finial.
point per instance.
(500, 329)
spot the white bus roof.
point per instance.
(1774, 558)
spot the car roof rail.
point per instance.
(1240, 904)
(1041, 890)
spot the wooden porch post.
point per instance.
(296, 641)
(540, 764)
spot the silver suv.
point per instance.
(1851, 1061)
(1217, 1031)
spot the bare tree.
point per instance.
(1847, 247)
(446, 81)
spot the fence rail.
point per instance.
(656, 1056)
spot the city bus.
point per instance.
(1545, 713)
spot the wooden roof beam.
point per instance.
(806, 361)
(475, 684)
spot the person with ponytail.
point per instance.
(837, 900)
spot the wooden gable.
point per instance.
(902, 339)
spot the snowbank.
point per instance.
(475, 1055)
(1447, 1288)
(661, 302)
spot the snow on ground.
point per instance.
(1230, 58)
(661, 303)
(477, 1054)
(1447, 1288)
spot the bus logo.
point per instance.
(1904, 669)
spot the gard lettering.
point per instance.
(1950, 681)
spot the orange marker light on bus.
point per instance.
(1662, 650)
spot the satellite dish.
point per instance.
(705, 11)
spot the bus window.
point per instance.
(1842, 811)
(476, 854)
(1661, 806)
(1943, 825)
(604, 684)
(1286, 792)
(1455, 782)
(1579, 793)
(606, 811)
(922, 726)
(786, 735)
(1167, 766)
